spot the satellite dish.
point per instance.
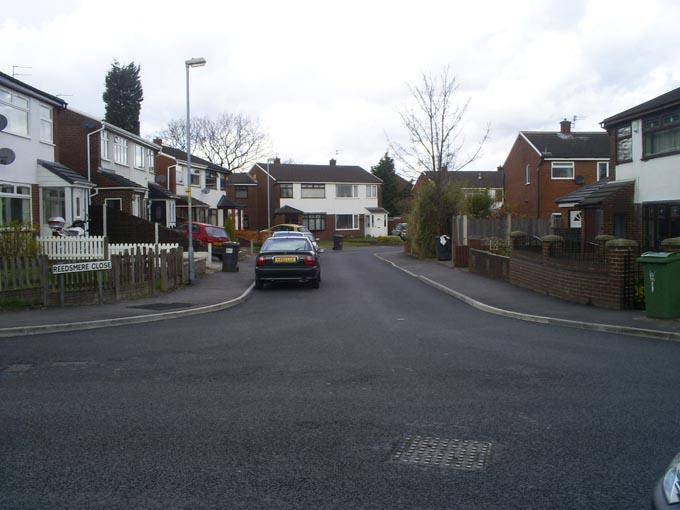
(579, 179)
(7, 156)
(3, 122)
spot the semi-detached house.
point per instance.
(328, 199)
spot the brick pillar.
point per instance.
(621, 255)
(552, 246)
(35, 205)
(518, 238)
(671, 244)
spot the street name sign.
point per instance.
(80, 267)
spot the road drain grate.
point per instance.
(449, 453)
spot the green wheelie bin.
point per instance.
(662, 284)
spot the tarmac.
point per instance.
(219, 291)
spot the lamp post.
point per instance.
(192, 62)
(269, 202)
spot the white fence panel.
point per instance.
(120, 248)
(73, 248)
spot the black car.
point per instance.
(287, 259)
(400, 230)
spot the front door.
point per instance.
(159, 212)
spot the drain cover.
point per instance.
(162, 306)
(435, 451)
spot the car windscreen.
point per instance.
(216, 232)
(286, 244)
(281, 233)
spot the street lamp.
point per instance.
(192, 62)
(269, 202)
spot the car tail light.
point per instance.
(310, 261)
(261, 261)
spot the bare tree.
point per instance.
(231, 140)
(434, 124)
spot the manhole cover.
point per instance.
(435, 451)
(162, 306)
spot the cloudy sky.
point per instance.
(327, 79)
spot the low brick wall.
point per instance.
(489, 264)
(579, 284)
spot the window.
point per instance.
(139, 156)
(346, 222)
(54, 202)
(15, 108)
(287, 190)
(371, 191)
(136, 205)
(314, 222)
(241, 192)
(223, 181)
(346, 190)
(556, 220)
(246, 222)
(150, 160)
(114, 203)
(211, 179)
(105, 145)
(46, 124)
(563, 170)
(313, 191)
(602, 170)
(624, 144)
(195, 177)
(662, 134)
(15, 204)
(527, 174)
(120, 150)
(180, 173)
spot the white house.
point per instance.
(33, 188)
(328, 199)
(647, 142)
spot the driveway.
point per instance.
(305, 398)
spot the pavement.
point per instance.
(502, 298)
(210, 292)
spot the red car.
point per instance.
(204, 234)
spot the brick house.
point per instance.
(490, 182)
(33, 185)
(241, 198)
(645, 146)
(543, 166)
(328, 199)
(120, 163)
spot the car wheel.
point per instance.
(259, 284)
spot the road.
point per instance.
(299, 397)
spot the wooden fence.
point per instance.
(465, 227)
(133, 274)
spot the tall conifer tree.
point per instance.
(123, 96)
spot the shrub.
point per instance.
(18, 240)
(478, 205)
(230, 228)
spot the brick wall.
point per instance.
(489, 264)
(521, 198)
(70, 140)
(123, 194)
(35, 204)
(163, 162)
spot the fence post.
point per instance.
(164, 271)
(151, 257)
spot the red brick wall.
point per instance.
(125, 195)
(249, 204)
(163, 162)
(35, 204)
(521, 198)
(71, 141)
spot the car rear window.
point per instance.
(286, 244)
(216, 232)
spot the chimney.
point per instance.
(332, 162)
(565, 127)
(158, 141)
(277, 161)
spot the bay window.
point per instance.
(54, 202)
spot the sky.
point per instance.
(327, 80)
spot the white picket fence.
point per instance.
(119, 249)
(73, 248)
(94, 248)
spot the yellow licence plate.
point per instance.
(285, 260)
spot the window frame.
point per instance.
(49, 121)
(527, 175)
(352, 188)
(139, 151)
(310, 186)
(371, 191)
(563, 164)
(599, 174)
(104, 146)
(355, 221)
(315, 222)
(15, 195)
(194, 172)
(239, 192)
(211, 178)
(25, 111)
(284, 189)
(620, 138)
(44, 192)
(120, 150)
(664, 125)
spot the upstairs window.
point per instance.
(313, 191)
(120, 150)
(286, 190)
(527, 174)
(15, 108)
(150, 160)
(661, 134)
(180, 174)
(346, 190)
(211, 179)
(139, 156)
(241, 192)
(562, 170)
(624, 144)
(195, 177)
(105, 145)
(371, 191)
(602, 170)
(46, 124)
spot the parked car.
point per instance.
(292, 227)
(287, 258)
(399, 230)
(667, 491)
(204, 234)
(293, 233)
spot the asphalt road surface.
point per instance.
(301, 398)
